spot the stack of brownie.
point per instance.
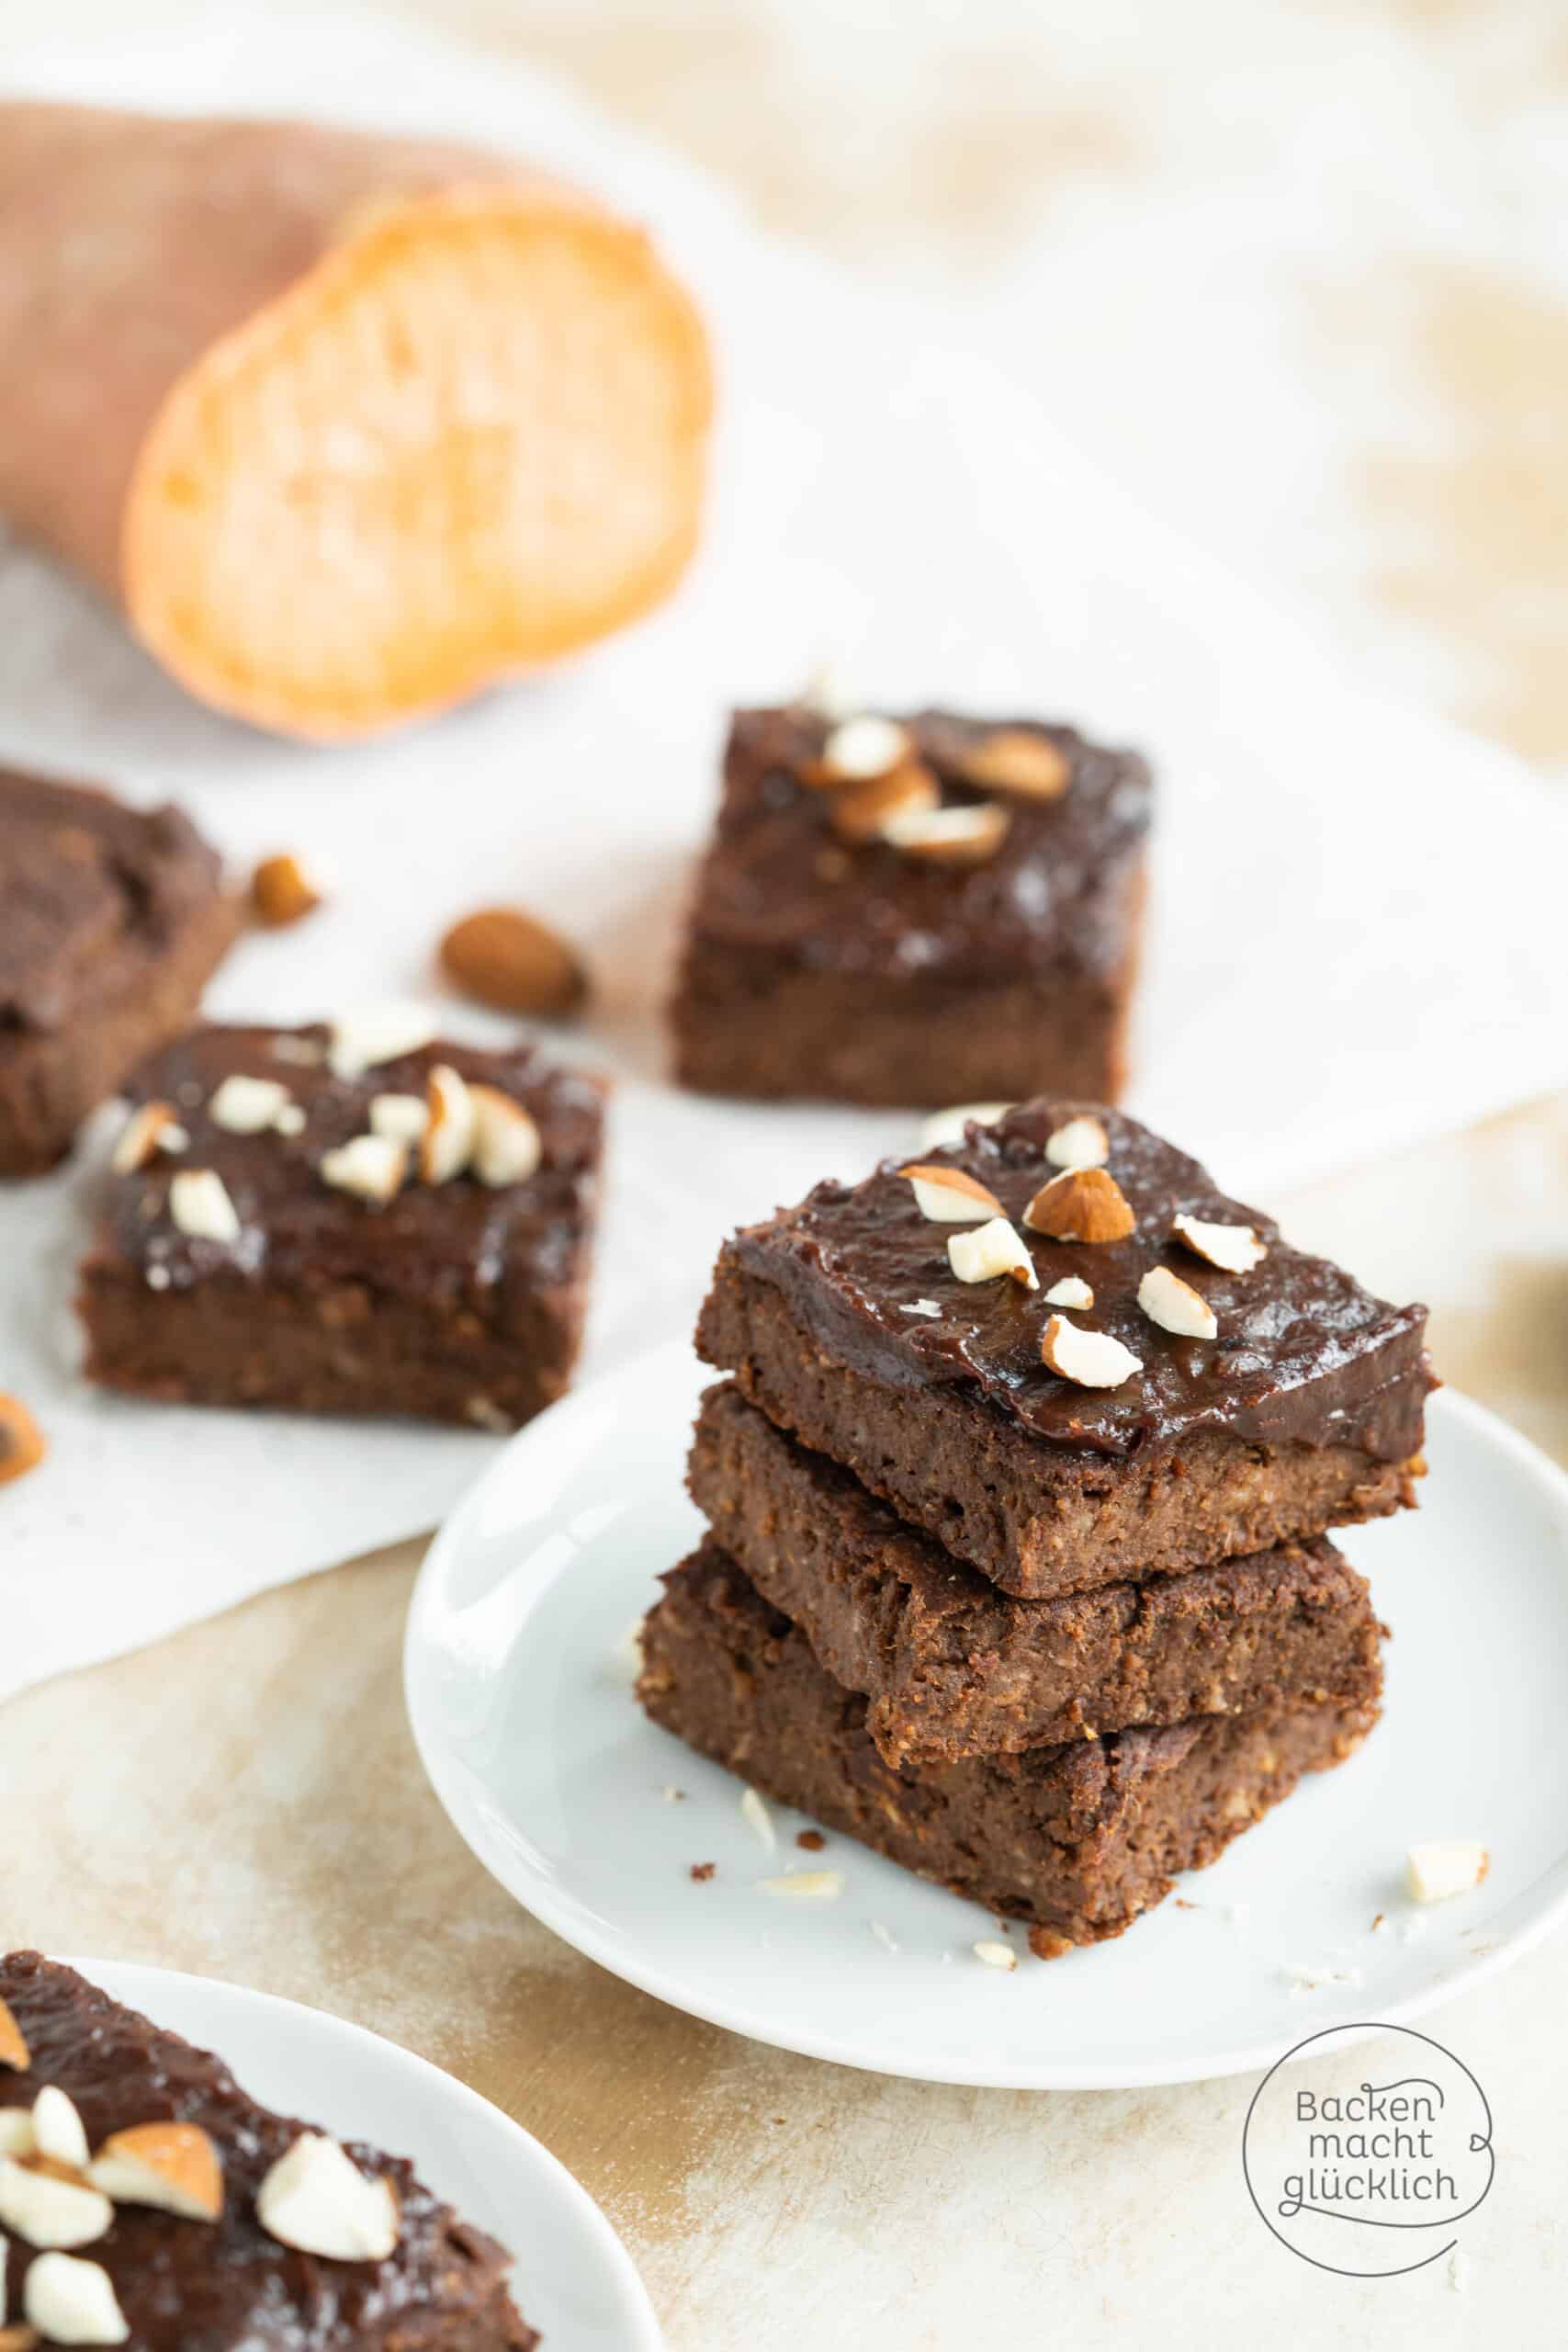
(1017, 1494)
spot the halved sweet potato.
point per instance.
(349, 425)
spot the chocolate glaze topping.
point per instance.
(81, 876)
(209, 2287)
(452, 1241)
(1303, 1353)
(779, 878)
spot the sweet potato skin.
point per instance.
(139, 256)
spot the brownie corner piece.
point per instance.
(282, 1228)
(234, 2273)
(845, 1319)
(112, 921)
(964, 925)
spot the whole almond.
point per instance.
(511, 962)
(1081, 1204)
(22, 1448)
(284, 890)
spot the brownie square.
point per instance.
(826, 958)
(951, 1667)
(184, 2284)
(112, 920)
(457, 1300)
(843, 1321)
(1075, 1839)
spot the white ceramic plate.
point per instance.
(518, 1679)
(574, 2281)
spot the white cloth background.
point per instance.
(1356, 928)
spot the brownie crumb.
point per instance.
(812, 1839)
(702, 1872)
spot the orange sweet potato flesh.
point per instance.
(350, 427)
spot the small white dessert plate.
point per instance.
(518, 1672)
(572, 2278)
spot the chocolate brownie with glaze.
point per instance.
(843, 1321)
(869, 970)
(951, 1667)
(1077, 1839)
(188, 2284)
(112, 920)
(457, 1300)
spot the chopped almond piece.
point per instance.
(1093, 1359)
(995, 1953)
(373, 1167)
(948, 1196)
(1081, 1204)
(1012, 760)
(200, 1207)
(1071, 1290)
(284, 891)
(448, 1143)
(947, 1126)
(374, 1034)
(1080, 1143)
(1234, 1249)
(1174, 1305)
(14, 2051)
(70, 2301)
(507, 1149)
(861, 748)
(984, 1252)
(861, 812)
(316, 2199)
(961, 836)
(174, 2167)
(49, 2205)
(22, 1448)
(1444, 1868)
(403, 1117)
(248, 1106)
(151, 1127)
(58, 2130)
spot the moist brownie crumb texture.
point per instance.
(1017, 1489)
(933, 909)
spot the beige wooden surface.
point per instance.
(244, 1801)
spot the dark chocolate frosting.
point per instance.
(82, 877)
(1302, 1353)
(447, 1242)
(778, 878)
(188, 2286)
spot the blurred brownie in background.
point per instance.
(112, 920)
(915, 912)
(357, 1218)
